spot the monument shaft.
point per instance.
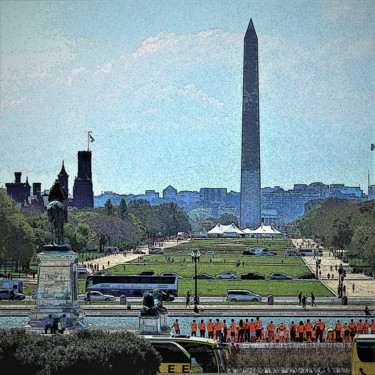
(250, 208)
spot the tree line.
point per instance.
(126, 227)
(343, 224)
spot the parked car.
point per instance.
(147, 273)
(138, 252)
(252, 276)
(156, 251)
(203, 276)
(171, 274)
(280, 276)
(97, 296)
(248, 252)
(307, 275)
(6, 294)
(102, 273)
(227, 275)
(242, 295)
(210, 253)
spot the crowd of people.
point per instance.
(253, 330)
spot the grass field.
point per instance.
(227, 253)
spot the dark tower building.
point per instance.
(82, 191)
(19, 191)
(250, 208)
(63, 177)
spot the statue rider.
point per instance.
(58, 193)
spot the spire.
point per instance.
(63, 171)
(27, 182)
(250, 32)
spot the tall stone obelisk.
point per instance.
(250, 209)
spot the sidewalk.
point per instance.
(364, 285)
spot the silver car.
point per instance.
(97, 296)
(242, 295)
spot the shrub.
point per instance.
(90, 352)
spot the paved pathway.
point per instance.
(364, 285)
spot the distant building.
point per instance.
(83, 195)
(19, 191)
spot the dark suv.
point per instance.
(5, 294)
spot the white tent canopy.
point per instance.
(263, 231)
(230, 230)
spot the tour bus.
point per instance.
(16, 285)
(132, 285)
(175, 359)
(82, 273)
(207, 355)
(363, 354)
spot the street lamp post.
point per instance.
(195, 254)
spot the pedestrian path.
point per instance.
(364, 286)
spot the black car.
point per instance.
(7, 294)
(307, 276)
(203, 276)
(147, 273)
(252, 276)
(248, 252)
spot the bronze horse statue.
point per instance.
(57, 212)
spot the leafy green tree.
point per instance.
(122, 210)
(228, 218)
(109, 207)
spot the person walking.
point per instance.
(299, 298)
(88, 298)
(304, 302)
(313, 300)
(188, 295)
(353, 287)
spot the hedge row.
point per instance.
(90, 352)
(292, 360)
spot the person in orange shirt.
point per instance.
(194, 328)
(281, 331)
(202, 328)
(308, 329)
(338, 328)
(360, 326)
(319, 329)
(366, 326)
(292, 330)
(176, 327)
(225, 331)
(353, 330)
(301, 331)
(232, 330)
(247, 330)
(372, 326)
(210, 329)
(252, 330)
(276, 336)
(218, 330)
(258, 329)
(270, 331)
(346, 332)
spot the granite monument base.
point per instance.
(154, 325)
(57, 291)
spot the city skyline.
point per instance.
(160, 87)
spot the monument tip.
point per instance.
(250, 32)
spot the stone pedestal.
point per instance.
(57, 288)
(154, 324)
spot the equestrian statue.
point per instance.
(57, 212)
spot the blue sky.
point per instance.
(159, 84)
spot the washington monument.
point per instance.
(250, 210)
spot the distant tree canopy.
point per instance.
(343, 224)
(121, 226)
(16, 235)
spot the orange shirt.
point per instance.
(360, 326)
(270, 327)
(338, 327)
(258, 324)
(372, 326)
(309, 327)
(210, 327)
(233, 327)
(301, 328)
(202, 326)
(352, 326)
(292, 326)
(252, 326)
(282, 327)
(193, 327)
(218, 326)
(176, 326)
